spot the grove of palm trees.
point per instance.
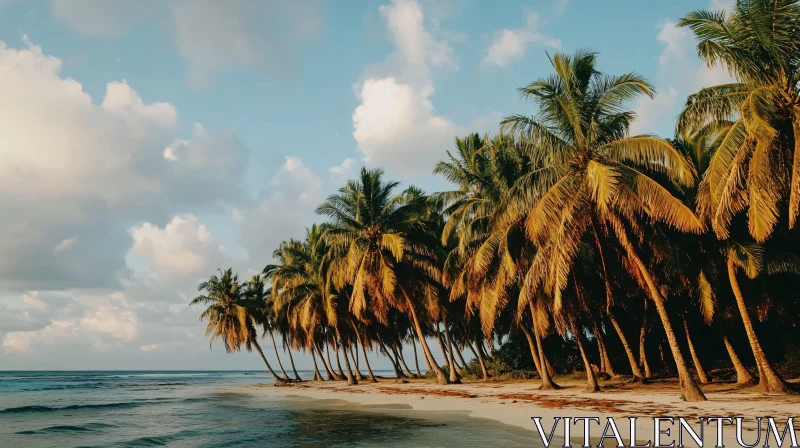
(566, 243)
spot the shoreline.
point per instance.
(514, 402)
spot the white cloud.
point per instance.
(182, 249)
(66, 243)
(339, 172)
(395, 127)
(510, 45)
(97, 168)
(560, 6)
(32, 300)
(97, 326)
(149, 347)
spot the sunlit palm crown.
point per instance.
(756, 163)
(589, 174)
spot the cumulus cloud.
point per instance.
(97, 168)
(510, 45)
(100, 326)
(395, 125)
(182, 249)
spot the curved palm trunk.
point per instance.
(275, 377)
(534, 352)
(442, 379)
(637, 373)
(547, 380)
(743, 376)
(317, 375)
(690, 391)
(769, 382)
(356, 370)
(399, 351)
(460, 358)
(397, 372)
(454, 377)
(291, 360)
(591, 380)
(605, 361)
(328, 371)
(351, 379)
(364, 352)
(642, 351)
(481, 361)
(280, 364)
(701, 372)
(416, 358)
(340, 374)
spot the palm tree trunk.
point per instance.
(769, 381)
(275, 377)
(532, 347)
(397, 372)
(637, 373)
(442, 379)
(356, 370)
(340, 374)
(743, 376)
(481, 361)
(364, 351)
(604, 358)
(442, 347)
(701, 372)
(291, 360)
(642, 351)
(351, 379)
(328, 371)
(403, 361)
(416, 358)
(547, 381)
(454, 377)
(690, 391)
(280, 364)
(460, 358)
(317, 375)
(591, 380)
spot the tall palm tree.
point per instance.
(229, 315)
(757, 166)
(378, 242)
(594, 177)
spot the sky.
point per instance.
(144, 144)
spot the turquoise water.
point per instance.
(191, 409)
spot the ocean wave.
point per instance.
(74, 407)
(123, 405)
(89, 427)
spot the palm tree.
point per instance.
(378, 247)
(594, 178)
(757, 165)
(229, 316)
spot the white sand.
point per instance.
(515, 402)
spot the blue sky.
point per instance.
(144, 144)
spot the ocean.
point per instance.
(192, 409)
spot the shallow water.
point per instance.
(190, 409)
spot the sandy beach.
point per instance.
(515, 402)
